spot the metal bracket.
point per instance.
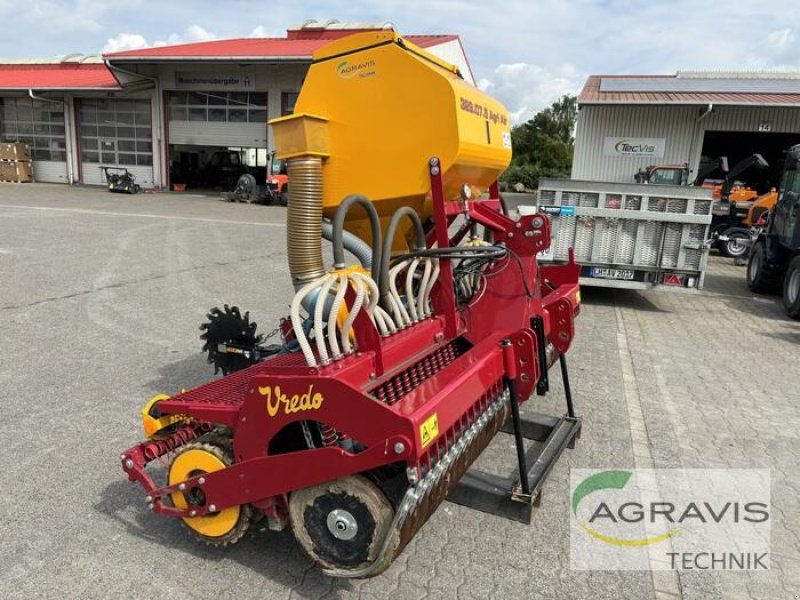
(503, 496)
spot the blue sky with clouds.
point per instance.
(526, 53)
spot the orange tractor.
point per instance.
(737, 206)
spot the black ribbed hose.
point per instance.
(338, 228)
(383, 283)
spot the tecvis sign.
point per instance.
(630, 146)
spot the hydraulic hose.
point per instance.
(403, 211)
(338, 230)
(304, 220)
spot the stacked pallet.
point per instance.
(15, 163)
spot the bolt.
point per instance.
(129, 464)
(434, 170)
(529, 234)
(434, 161)
(151, 506)
(212, 508)
(148, 499)
(182, 487)
(122, 457)
(192, 513)
(399, 448)
(537, 222)
(510, 234)
(201, 481)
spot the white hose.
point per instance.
(372, 288)
(379, 316)
(361, 291)
(429, 288)
(410, 298)
(380, 323)
(388, 322)
(297, 323)
(335, 307)
(319, 336)
(423, 285)
(401, 314)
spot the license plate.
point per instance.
(602, 273)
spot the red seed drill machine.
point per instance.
(394, 373)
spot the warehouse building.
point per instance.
(629, 122)
(166, 113)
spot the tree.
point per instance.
(543, 146)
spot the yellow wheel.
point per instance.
(199, 458)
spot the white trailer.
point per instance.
(629, 235)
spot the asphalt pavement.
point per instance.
(101, 296)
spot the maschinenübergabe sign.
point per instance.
(631, 146)
(215, 81)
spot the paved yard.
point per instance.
(100, 299)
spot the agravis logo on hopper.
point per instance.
(346, 69)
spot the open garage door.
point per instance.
(739, 145)
(116, 133)
(215, 136)
(40, 124)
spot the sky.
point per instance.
(527, 53)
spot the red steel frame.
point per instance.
(514, 290)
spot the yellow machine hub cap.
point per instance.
(193, 463)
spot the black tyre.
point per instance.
(791, 289)
(760, 277)
(342, 524)
(283, 197)
(736, 245)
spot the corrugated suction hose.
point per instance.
(304, 219)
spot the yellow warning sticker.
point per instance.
(429, 430)
(578, 297)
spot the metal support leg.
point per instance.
(543, 385)
(567, 390)
(515, 499)
(518, 439)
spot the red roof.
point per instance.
(298, 45)
(56, 76)
(592, 94)
(255, 48)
